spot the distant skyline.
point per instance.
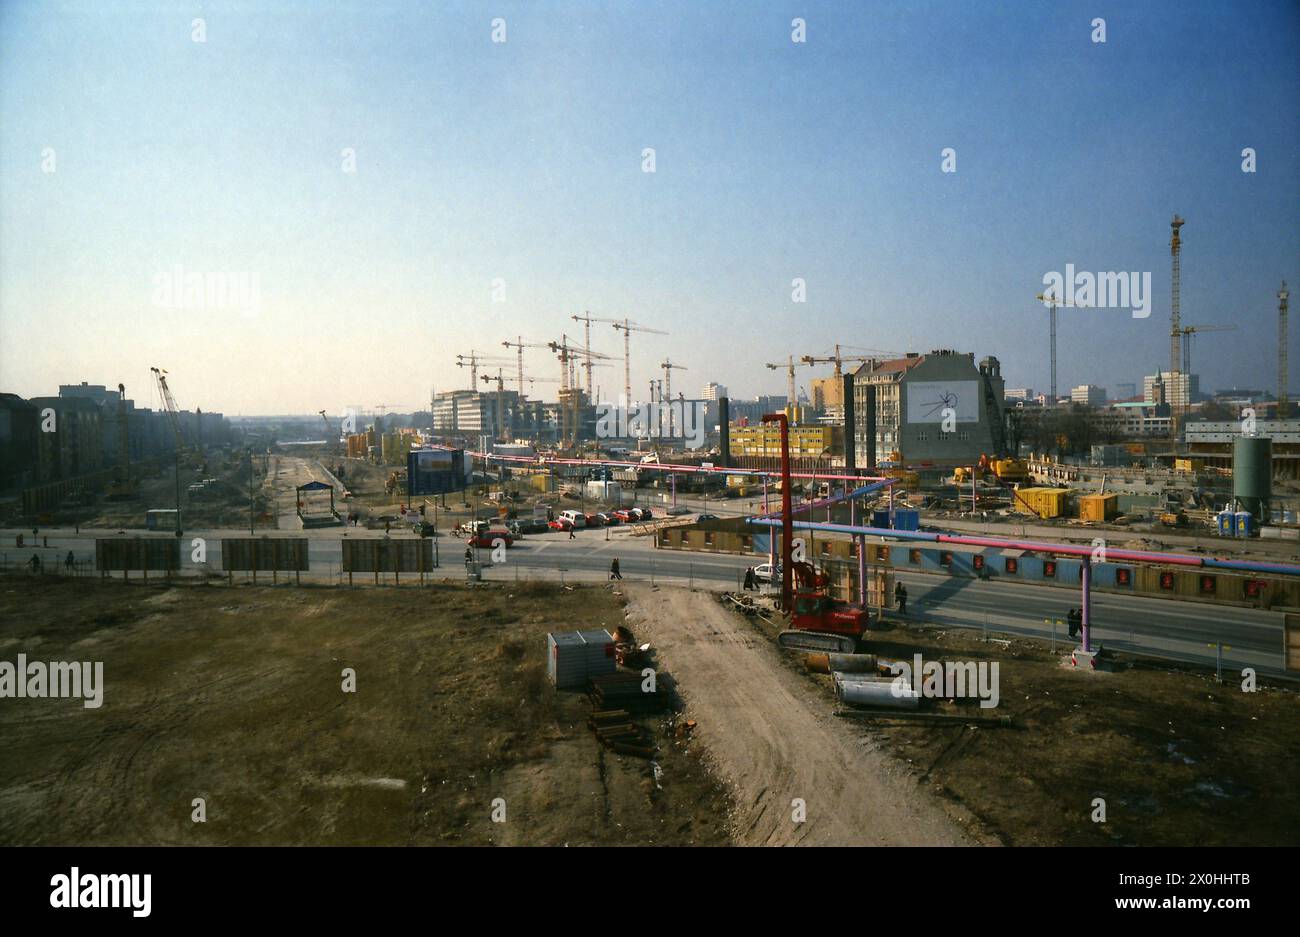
(513, 171)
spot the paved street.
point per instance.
(1167, 628)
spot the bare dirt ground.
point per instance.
(234, 695)
(770, 734)
(1178, 758)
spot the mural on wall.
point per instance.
(928, 401)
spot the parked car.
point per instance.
(489, 538)
(609, 520)
(533, 526)
(646, 513)
(561, 523)
(625, 515)
(575, 518)
(767, 572)
(595, 520)
(707, 517)
(678, 511)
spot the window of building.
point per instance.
(1013, 565)
(922, 436)
(914, 556)
(1049, 569)
(1167, 581)
(964, 435)
(945, 558)
(1123, 576)
(882, 554)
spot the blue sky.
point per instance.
(522, 161)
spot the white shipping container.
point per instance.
(574, 657)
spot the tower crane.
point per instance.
(501, 404)
(790, 365)
(1185, 333)
(520, 345)
(669, 367)
(1052, 303)
(586, 319)
(839, 359)
(627, 327)
(473, 360)
(1283, 401)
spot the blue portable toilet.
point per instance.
(880, 518)
(907, 519)
(1243, 523)
(1227, 523)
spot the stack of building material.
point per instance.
(615, 730)
(624, 690)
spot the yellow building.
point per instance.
(765, 440)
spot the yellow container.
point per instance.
(1098, 508)
(1044, 502)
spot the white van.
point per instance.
(576, 518)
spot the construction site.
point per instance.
(705, 426)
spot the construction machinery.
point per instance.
(331, 437)
(817, 622)
(1283, 401)
(519, 344)
(183, 449)
(838, 359)
(669, 367)
(473, 360)
(627, 327)
(1052, 304)
(1185, 333)
(122, 487)
(502, 430)
(790, 365)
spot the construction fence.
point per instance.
(1196, 584)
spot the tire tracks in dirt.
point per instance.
(772, 737)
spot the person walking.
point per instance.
(36, 563)
(1073, 618)
(69, 562)
(749, 579)
(613, 569)
(900, 596)
(469, 556)
(572, 535)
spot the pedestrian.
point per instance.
(36, 563)
(388, 526)
(572, 535)
(900, 596)
(18, 541)
(69, 562)
(749, 579)
(1073, 618)
(613, 569)
(469, 555)
(45, 541)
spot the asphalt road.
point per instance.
(1167, 628)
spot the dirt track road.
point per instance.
(774, 739)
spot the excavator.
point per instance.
(817, 622)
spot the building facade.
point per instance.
(938, 408)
